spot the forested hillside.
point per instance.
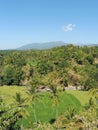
(42, 46)
(29, 108)
(65, 66)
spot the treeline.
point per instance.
(66, 65)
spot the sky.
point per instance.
(36, 21)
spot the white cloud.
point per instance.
(68, 28)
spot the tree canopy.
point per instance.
(74, 65)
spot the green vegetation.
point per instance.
(73, 65)
(33, 91)
(82, 96)
(8, 92)
(70, 104)
(44, 107)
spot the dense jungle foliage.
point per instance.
(56, 68)
(66, 65)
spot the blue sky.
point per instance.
(29, 21)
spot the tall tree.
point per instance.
(33, 94)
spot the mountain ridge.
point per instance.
(41, 46)
(50, 45)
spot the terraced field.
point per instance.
(45, 110)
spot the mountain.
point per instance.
(41, 46)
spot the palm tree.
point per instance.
(19, 100)
(94, 92)
(11, 113)
(21, 104)
(33, 94)
(54, 96)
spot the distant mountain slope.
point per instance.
(41, 46)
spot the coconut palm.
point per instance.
(20, 101)
(94, 92)
(11, 113)
(54, 95)
(21, 104)
(33, 95)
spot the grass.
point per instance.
(45, 110)
(8, 92)
(82, 96)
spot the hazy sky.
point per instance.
(28, 21)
